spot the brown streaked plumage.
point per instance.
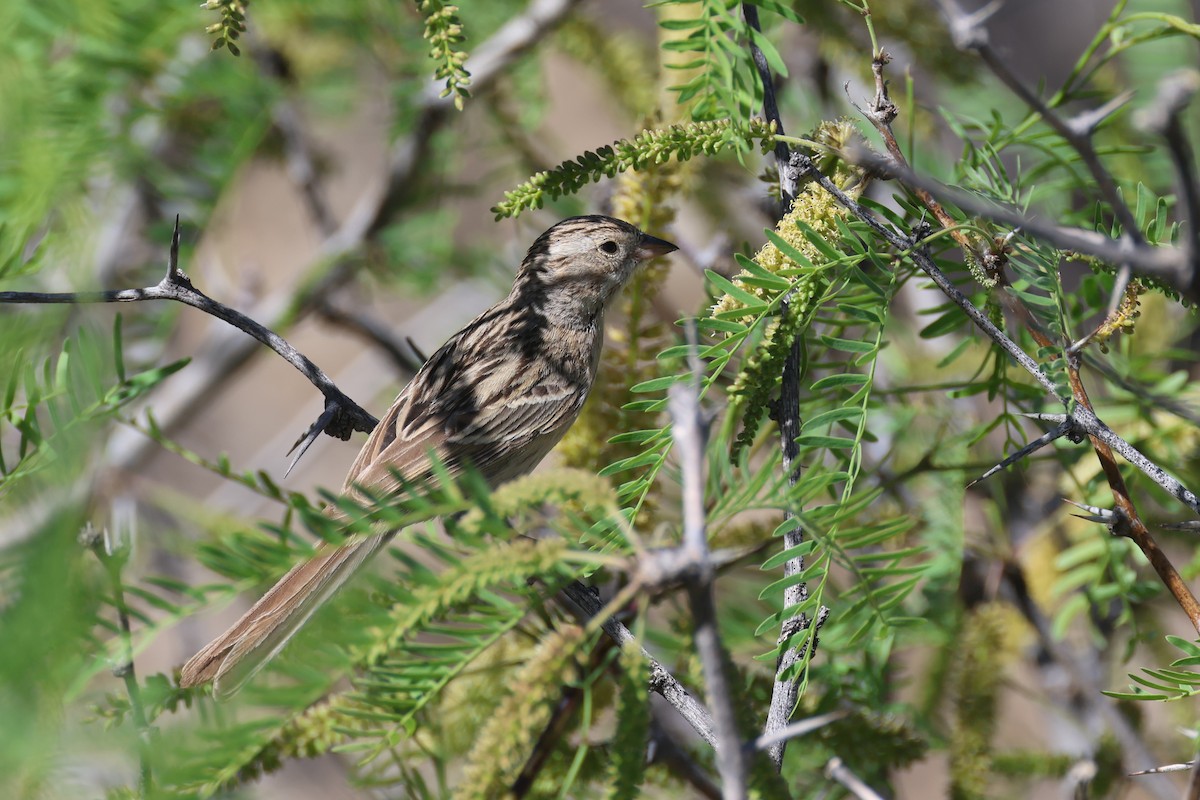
(498, 395)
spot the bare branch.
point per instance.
(881, 112)
(785, 691)
(688, 430)
(1104, 440)
(220, 356)
(1167, 264)
(1085, 422)
(1063, 429)
(922, 259)
(585, 602)
(343, 416)
(789, 177)
(836, 769)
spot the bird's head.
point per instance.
(588, 259)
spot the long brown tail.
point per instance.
(236, 655)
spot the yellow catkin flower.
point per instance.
(816, 208)
(563, 489)
(467, 703)
(504, 743)
(320, 728)
(990, 639)
(1122, 320)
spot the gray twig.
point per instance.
(836, 769)
(912, 245)
(1167, 768)
(1168, 264)
(662, 682)
(786, 690)
(789, 177)
(800, 727)
(1063, 429)
(224, 352)
(969, 34)
(1084, 422)
(688, 430)
(1084, 419)
(343, 415)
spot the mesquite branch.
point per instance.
(342, 415)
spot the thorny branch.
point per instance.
(1063, 429)
(342, 415)
(1103, 438)
(969, 33)
(1164, 263)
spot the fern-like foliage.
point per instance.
(709, 50)
(444, 32)
(680, 142)
(505, 742)
(1176, 682)
(44, 406)
(427, 627)
(232, 24)
(456, 653)
(628, 748)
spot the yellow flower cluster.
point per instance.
(816, 208)
(1123, 319)
(991, 637)
(504, 743)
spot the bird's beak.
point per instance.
(653, 247)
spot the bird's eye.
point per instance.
(609, 247)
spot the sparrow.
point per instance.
(496, 397)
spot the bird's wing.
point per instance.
(494, 413)
(489, 410)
